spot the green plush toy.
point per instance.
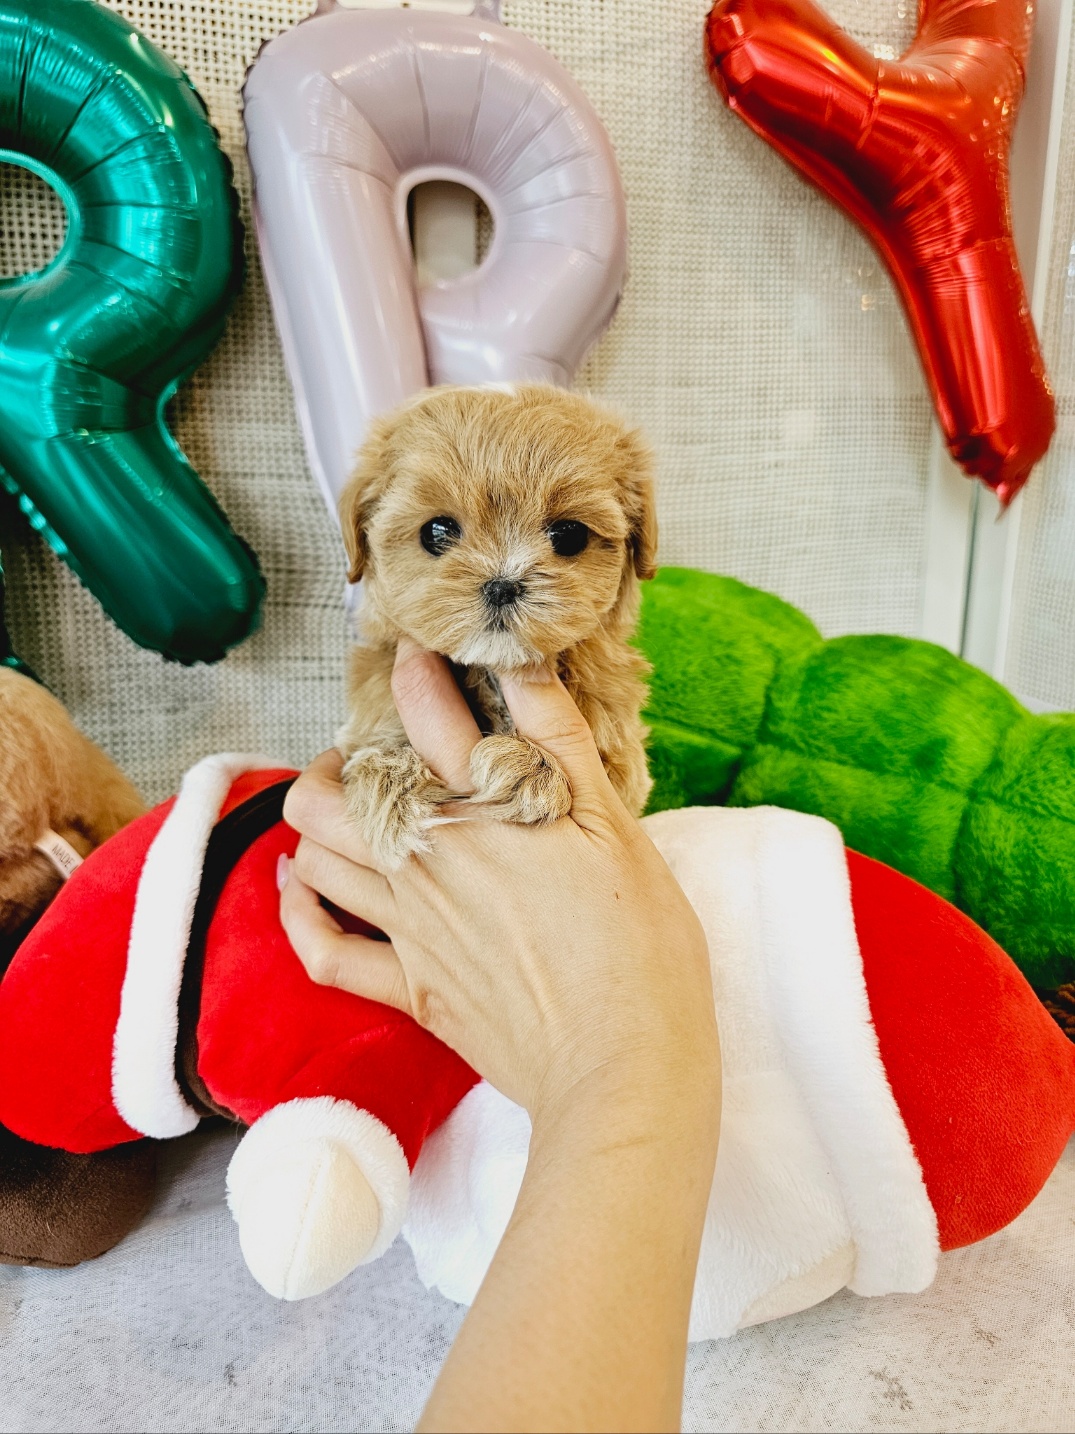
(923, 761)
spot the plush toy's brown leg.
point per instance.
(1061, 1006)
(58, 1209)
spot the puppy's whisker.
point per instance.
(538, 603)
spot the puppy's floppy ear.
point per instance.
(639, 502)
(365, 487)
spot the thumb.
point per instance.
(544, 711)
(439, 724)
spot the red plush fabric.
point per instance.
(60, 998)
(59, 1002)
(268, 1034)
(250, 783)
(984, 1078)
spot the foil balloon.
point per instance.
(345, 114)
(916, 152)
(93, 346)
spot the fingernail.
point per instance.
(283, 871)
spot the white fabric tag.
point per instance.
(61, 853)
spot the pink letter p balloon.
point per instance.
(345, 114)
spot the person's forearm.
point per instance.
(581, 1323)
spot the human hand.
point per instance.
(552, 958)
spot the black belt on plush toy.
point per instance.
(231, 836)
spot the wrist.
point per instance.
(654, 1099)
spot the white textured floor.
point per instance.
(169, 1332)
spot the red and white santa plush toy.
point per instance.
(892, 1087)
(159, 988)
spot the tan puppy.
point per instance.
(506, 528)
(53, 780)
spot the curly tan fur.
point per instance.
(505, 465)
(51, 777)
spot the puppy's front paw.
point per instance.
(515, 781)
(393, 798)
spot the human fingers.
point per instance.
(543, 710)
(439, 724)
(315, 807)
(333, 957)
(353, 888)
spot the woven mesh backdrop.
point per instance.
(759, 344)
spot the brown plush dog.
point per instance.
(60, 797)
(506, 528)
(54, 783)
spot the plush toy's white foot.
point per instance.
(306, 1219)
(317, 1187)
(802, 1292)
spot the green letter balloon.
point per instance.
(93, 346)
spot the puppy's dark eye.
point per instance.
(438, 535)
(568, 538)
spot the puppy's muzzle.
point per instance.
(501, 593)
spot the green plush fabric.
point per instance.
(707, 698)
(923, 761)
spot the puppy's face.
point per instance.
(500, 527)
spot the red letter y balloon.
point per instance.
(916, 151)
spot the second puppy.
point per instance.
(505, 528)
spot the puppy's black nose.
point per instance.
(501, 592)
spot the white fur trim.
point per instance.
(816, 1181)
(821, 1005)
(144, 1086)
(317, 1187)
(465, 1184)
(776, 1217)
